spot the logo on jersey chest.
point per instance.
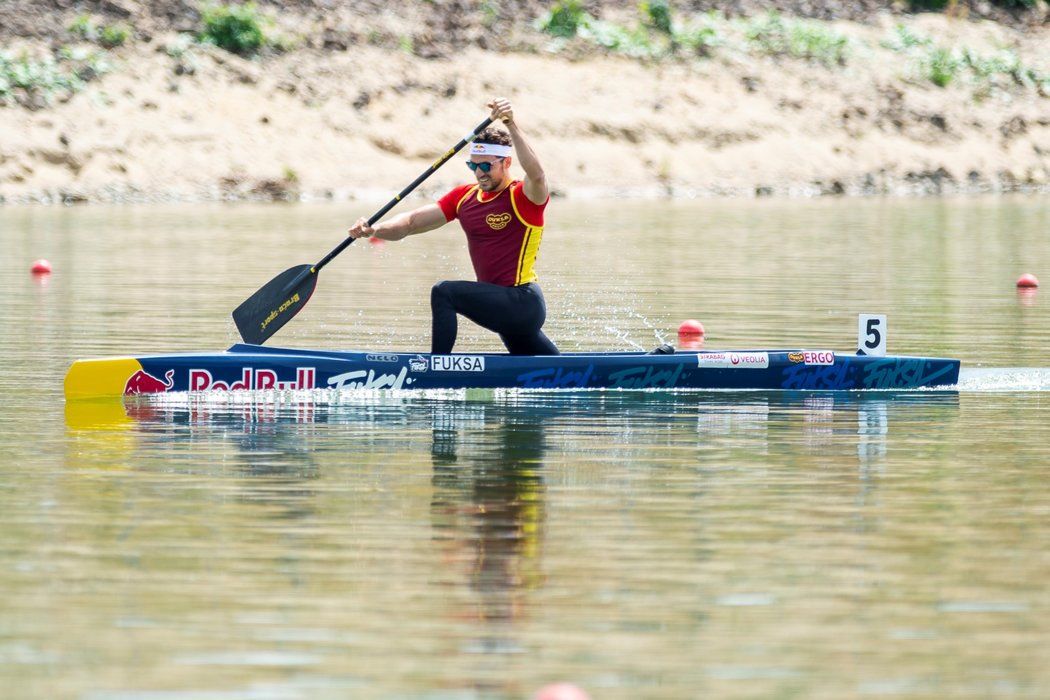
(498, 222)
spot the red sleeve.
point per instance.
(531, 212)
(449, 201)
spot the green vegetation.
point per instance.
(658, 15)
(36, 81)
(658, 34)
(809, 40)
(108, 36)
(950, 5)
(240, 29)
(565, 19)
(942, 65)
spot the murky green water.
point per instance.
(463, 545)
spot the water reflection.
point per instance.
(488, 452)
(445, 516)
(488, 508)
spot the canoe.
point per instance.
(257, 368)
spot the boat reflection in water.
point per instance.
(452, 493)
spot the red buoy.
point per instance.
(1027, 280)
(41, 267)
(690, 328)
(561, 691)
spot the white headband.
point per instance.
(490, 149)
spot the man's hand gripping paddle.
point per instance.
(265, 312)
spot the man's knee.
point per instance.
(441, 294)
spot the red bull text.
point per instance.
(253, 380)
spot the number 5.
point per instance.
(871, 335)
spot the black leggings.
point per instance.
(516, 313)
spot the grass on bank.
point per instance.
(36, 81)
(108, 36)
(944, 65)
(658, 34)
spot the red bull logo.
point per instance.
(253, 380)
(142, 382)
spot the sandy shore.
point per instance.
(170, 123)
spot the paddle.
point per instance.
(265, 312)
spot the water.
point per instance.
(482, 544)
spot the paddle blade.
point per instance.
(265, 312)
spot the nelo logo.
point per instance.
(381, 358)
(498, 222)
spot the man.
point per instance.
(503, 221)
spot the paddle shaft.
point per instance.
(403, 193)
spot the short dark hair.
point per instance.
(494, 136)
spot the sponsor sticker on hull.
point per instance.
(142, 382)
(812, 357)
(457, 363)
(253, 380)
(732, 360)
(376, 357)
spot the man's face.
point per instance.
(493, 179)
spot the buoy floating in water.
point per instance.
(561, 691)
(690, 328)
(1027, 281)
(690, 334)
(41, 267)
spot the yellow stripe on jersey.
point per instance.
(530, 246)
(464, 198)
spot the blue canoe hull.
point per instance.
(258, 368)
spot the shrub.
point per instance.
(941, 66)
(114, 35)
(240, 29)
(565, 19)
(658, 15)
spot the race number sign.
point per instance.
(871, 335)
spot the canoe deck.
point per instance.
(257, 368)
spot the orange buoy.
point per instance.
(1027, 280)
(690, 328)
(561, 691)
(41, 267)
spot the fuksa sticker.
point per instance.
(457, 363)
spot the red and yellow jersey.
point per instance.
(503, 231)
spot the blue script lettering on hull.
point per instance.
(895, 373)
(645, 378)
(837, 376)
(556, 378)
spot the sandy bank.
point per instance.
(169, 122)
